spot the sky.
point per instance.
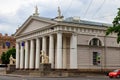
(13, 13)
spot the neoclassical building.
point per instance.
(70, 44)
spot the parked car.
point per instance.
(114, 74)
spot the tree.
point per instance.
(116, 26)
(5, 56)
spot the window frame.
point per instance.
(95, 42)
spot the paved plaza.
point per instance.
(4, 76)
(10, 77)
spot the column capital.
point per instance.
(50, 34)
(25, 40)
(43, 36)
(31, 40)
(60, 32)
(75, 34)
(37, 38)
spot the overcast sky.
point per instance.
(14, 12)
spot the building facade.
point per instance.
(70, 44)
(6, 42)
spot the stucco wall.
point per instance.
(109, 51)
(83, 57)
(113, 57)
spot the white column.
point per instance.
(64, 53)
(59, 50)
(37, 62)
(26, 54)
(17, 55)
(51, 50)
(31, 54)
(43, 45)
(22, 57)
(73, 52)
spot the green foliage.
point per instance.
(5, 56)
(116, 26)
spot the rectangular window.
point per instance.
(3, 46)
(96, 58)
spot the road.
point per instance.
(37, 78)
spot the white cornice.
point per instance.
(65, 29)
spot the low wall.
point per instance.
(61, 72)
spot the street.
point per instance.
(6, 77)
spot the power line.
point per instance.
(105, 16)
(88, 7)
(68, 7)
(99, 8)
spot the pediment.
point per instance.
(32, 24)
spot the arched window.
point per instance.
(95, 42)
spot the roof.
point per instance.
(54, 22)
(85, 22)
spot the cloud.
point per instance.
(4, 28)
(15, 12)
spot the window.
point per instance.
(95, 42)
(96, 58)
(13, 46)
(3, 45)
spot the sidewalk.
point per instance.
(3, 73)
(21, 76)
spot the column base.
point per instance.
(45, 67)
(11, 67)
(17, 68)
(26, 68)
(21, 68)
(37, 69)
(31, 68)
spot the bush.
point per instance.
(5, 56)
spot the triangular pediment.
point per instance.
(32, 24)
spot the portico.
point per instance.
(28, 55)
(40, 34)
